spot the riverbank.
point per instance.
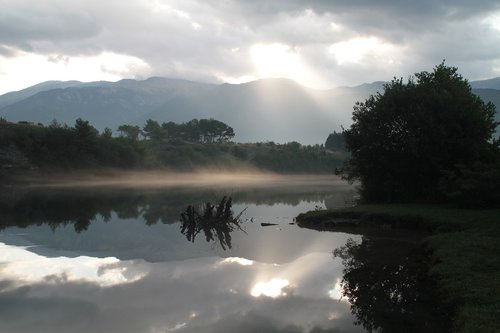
(465, 247)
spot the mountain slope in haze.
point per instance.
(486, 84)
(265, 110)
(16, 96)
(277, 110)
(104, 104)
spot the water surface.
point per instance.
(114, 260)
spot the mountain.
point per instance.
(486, 84)
(104, 104)
(277, 110)
(16, 96)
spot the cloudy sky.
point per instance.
(319, 43)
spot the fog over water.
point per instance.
(155, 179)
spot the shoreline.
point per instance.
(464, 248)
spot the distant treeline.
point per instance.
(204, 143)
(201, 131)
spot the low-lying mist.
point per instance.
(161, 179)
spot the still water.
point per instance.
(107, 259)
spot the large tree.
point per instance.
(405, 139)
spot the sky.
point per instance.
(318, 43)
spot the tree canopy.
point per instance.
(335, 141)
(405, 140)
(201, 131)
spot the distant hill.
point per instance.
(277, 110)
(486, 84)
(16, 96)
(104, 104)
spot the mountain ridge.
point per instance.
(273, 109)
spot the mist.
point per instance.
(166, 179)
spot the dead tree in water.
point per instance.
(216, 222)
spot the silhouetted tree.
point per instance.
(84, 130)
(391, 291)
(129, 131)
(171, 129)
(335, 141)
(402, 141)
(153, 131)
(107, 133)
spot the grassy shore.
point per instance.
(465, 246)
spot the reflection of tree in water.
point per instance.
(216, 222)
(60, 207)
(387, 284)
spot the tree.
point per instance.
(335, 141)
(190, 131)
(153, 130)
(84, 130)
(391, 291)
(403, 141)
(107, 133)
(129, 131)
(212, 130)
(171, 129)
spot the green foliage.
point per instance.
(335, 141)
(475, 185)
(107, 133)
(200, 131)
(404, 140)
(292, 157)
(129, 131)
(153, 131)
(188, 146)
(77, 147)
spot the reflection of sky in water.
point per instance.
(25, 267)
(124, 276)
(188, 295)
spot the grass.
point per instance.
(465, 247)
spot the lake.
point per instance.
(114, 258)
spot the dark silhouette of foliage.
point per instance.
(62, 207)
(335, 141)
(107, 133)
(63, 147)
(390, 291)
(403, 141)
(129, 131)
(200, 131)
(216, 222)
(475, 185)
(184, 147)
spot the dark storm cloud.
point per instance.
(23, 22)
(393, 8)
(202, 40)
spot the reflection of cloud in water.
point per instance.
(273, 288)
(197, 295)
(27, 267)
(241, 261)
